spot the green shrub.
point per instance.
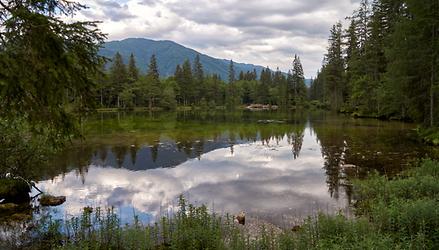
(401, 213)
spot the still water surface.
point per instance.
(275, 166)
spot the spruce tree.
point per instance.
(133, 71)
(264, 86)
(298, 82)
(413, 59)
(334, 72)
(231, 72)
(198, 74)
(178, 75)
(187, 81)
(231, 94)
(118, 77)
(153, 82)
(46, 61)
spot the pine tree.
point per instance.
(153, 82)
(133, 71)
(334, 72)
(231, 72)
(413, 59)
(361, 17)
(118, 77)
(232, 97)
(186, 84)
(353, 60)
(46, 59)
(198, 74)
(298, 82)
(264, 86)
(179, 79)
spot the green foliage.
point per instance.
(21, 151)
(298, 83)
(401, 213)
(133, 71)
(405, 207)
(334, 68)
(338, 232)
(14, 190)
(46, 62)
(430, 136)
(385, 64)
(192, 87)
(153, 83)
(168, 101)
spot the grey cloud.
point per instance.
(262, 21)
(150, 2)
(249, 30)
(282, 16)
(114, 11)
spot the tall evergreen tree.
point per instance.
(179, 80)
(298, 82)
(133, 71)
(232, 97)
(264, 86)
(231, 72)
(353, 60)
(153, 82)
(413, 58)
(118, 77)
(198, 74)
(334, 72)
(186, 83)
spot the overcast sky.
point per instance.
(262, 32)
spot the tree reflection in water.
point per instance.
(287, 164)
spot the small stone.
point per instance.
(296, 228)
(49, 200)
(241, 218)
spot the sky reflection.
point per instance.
(280, 176)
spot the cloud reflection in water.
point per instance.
(259, 178)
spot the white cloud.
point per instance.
(263, 32)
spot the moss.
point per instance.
(15, 191)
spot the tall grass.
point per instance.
(402, 213)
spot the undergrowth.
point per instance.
(401, 213)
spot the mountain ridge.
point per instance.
(169, 54)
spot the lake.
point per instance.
(277, 167)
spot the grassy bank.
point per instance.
(430, 136)
(401, 213)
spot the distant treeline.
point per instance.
(385, 64)
(122, 86)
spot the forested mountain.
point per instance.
(125, 86)
(169, 54)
